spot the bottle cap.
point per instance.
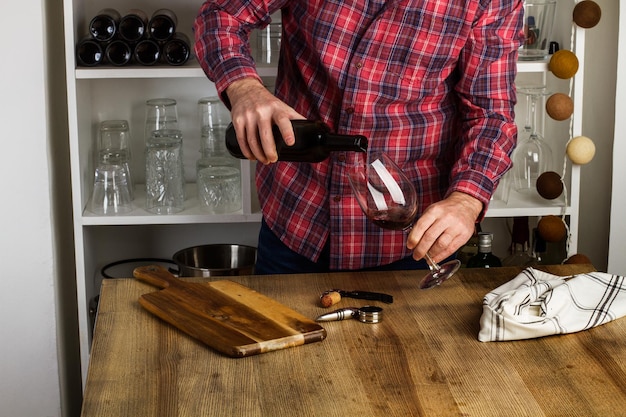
(484, 240)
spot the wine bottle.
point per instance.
(162, 25)
(118, 53)
(314, 142)
(147, 52)
(520, 247)
(133, 25)
(177, 51)
(484, 258)
(89, 52)
(103, 26)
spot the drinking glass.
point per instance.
(165, 179)
(532, 156)
(114, 146)
(538, 23)
(219, 189)
(389, 199)
(111, 190)
(161, 113)
(214, 118)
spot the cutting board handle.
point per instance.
(156, 275)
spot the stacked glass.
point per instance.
(218, 174)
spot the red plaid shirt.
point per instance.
(431, 82)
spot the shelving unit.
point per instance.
(101, 93)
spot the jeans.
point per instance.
(274, 257)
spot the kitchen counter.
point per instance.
(422, 359)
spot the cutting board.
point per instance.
(229, 317)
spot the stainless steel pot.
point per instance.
(215, 260)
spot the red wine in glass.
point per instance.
(388, 198)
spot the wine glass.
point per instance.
(389, 200)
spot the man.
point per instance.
(430, 82)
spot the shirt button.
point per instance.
(337, 198)
(359, 65)
(341, 157)
(350, 110)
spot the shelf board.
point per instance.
(190, 70)
(527, 204)
(191, 214)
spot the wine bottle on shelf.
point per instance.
(177, 50)
(162, 25)
(484, 258)
(520, 246)
(314, 142)
(147, 52)
(118, 53)
(133, 25)
(89, 53)
(103, 26)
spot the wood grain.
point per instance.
(423, 359)
(225, 315)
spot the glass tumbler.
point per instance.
(219, 189)
(114, 146)
(538, 23)
(214, 119)
(268, 44)
(161, 113)
(111, 190)
(165, 179)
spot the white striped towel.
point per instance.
(536, 304)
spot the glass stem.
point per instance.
(432, 264)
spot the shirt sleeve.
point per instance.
(222, 39)
(486, 90)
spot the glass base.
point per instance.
(435, 278)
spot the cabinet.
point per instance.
(101, 93)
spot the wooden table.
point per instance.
(423, 359)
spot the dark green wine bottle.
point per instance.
(314, 142)
(484, 258)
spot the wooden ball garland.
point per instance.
(587, 14)
(550, 185)
(563, 64)
(580, 150)
(559, 106)
(552, 228)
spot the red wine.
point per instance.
(396, 218)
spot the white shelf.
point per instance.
(527, 204)
(191, 214)
(190, 70)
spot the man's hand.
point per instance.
(445, 226)
(253, 111)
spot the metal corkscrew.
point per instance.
(366, 314)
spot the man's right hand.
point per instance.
(253, 111)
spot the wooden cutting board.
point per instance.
(227, 316)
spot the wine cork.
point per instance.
(330, 298)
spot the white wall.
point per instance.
(30, 370)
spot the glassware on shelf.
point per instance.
(165, 178)
(532, 156)
(219, 189)
(538, 23)
(161, 113)
(114, 147)
(111, 190)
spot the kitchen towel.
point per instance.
(536, 304)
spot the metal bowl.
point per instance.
(215, 260)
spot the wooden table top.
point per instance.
(423, 359)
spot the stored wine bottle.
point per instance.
(133, 25)
(118, 53)
(314, 142)
(177, 51)
(103, 26)
(162, 25)
(484, 258)
(147, 52)
(89, 52)
(520, 247)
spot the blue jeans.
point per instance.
(274, 257)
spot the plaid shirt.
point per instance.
(431, 82)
